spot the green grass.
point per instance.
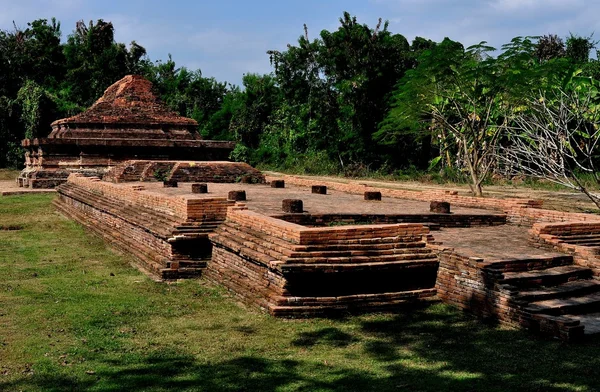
(74, 315)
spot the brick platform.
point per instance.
(344, 253)
(497, 274)
(168, 235)
(292, 271)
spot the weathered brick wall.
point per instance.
(167, 246)
(152, 251)
(531, 216)
(185, 171)
(252, 282)
(464, 282)
(182, 208)
(176, 206)
(442, 220)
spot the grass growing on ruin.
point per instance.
(75, 316)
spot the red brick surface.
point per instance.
(348, 254)
(127, 122)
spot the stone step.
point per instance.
(578, 237)
(562, 306)
(590, 321)
(530, 263)
(590, 242)
(574, 288)
(546, 277)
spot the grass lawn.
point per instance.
(74, 315)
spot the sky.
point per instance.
(228, 38)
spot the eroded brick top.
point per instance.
(128, 105)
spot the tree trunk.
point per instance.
(591, 196)
(476, 188)
(473, 162)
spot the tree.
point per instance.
(578, 48)
(557, 136)
(337, 88)
(549, 47)
(258, 100)
(38, 109)
(95, 61)
(455, 94)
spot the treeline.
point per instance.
(354, 99)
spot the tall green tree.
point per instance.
(338, 86)
(95, 61)
(260, 97)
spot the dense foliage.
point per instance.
(348, 101)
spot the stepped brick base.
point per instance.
(168, 236)
(294, 271)
(579, 239)
(297, 265)
(509, 292)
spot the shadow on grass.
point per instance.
(424, 350)
(330, 336)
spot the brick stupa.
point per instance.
(127, 123)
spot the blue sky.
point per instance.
(227, 38)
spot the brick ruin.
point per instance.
(127, 122)
(506, 260)
(134, 173)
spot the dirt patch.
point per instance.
(10, 188)
(8, 174)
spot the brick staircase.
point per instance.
(335, 270)
(126, 172)
(556, 297)
(548, 295)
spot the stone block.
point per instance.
(439, 207)
(319, 189)
(199, 188)
(237, 195)
(278, 184)
(293, 206)
(170, 184)
(373, 196)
